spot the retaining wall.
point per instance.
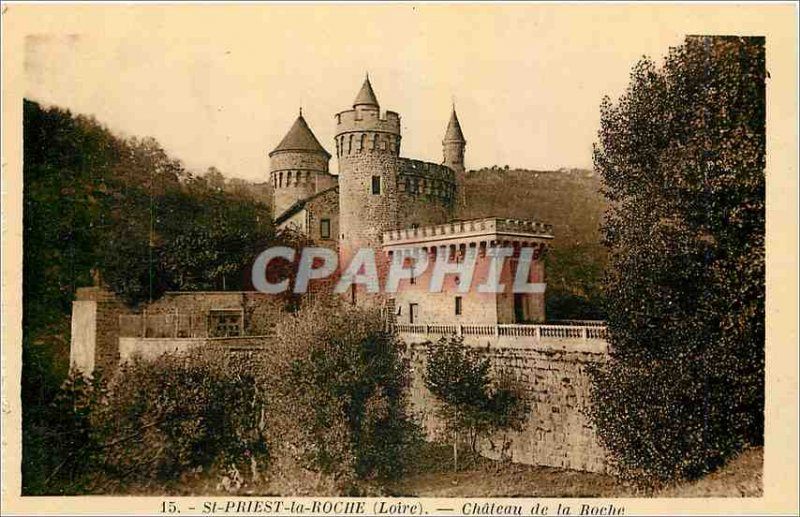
(558, 431)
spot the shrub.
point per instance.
(58, 442)
(163, 418)
(340, 402)
(471, 402)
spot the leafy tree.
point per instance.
(339, 403)
(682, 158)
(471, 403)
(93, 200)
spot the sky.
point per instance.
(220, 85)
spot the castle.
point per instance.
(386, 202)
(404, 209)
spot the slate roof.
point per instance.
(366, 96)
(301, 204)
(300, 138)
(453, 133)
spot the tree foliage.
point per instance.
(682, 158)
(124, 207)
(148, 424)
(93, 200)
(472, 403)
(340, 404)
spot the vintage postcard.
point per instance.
(445, 259)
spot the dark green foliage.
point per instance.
(341, 394)
(574, 282)
(472, 404)
(58, 442)
(92, 200)
(682, 158)
(146, 426)
(165, 417)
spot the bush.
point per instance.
(149, 424)
(57, 439)
(340, 402)
(163, 418)
(471, 402)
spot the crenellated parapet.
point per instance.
(367, 130)
(416, 177)
(470, 229)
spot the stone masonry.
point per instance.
(558, 431)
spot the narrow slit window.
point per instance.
(376, 185)
(325, 228)
(458, 306)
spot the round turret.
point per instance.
(298, 167)
(368, 149)
(454, 146)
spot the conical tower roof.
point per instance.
(453, 133)
(366, 96)
(300, 138)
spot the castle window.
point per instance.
(225, 322)
(375, 143)
(280, 179)
(363, 143)
(376, 185)
(325, 228)
(350, 145)
(458, 306)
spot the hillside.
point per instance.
(570, 200)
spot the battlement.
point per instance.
(470, 229)
(416, 177)
(427, 170)
(364, 118)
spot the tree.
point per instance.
(471, 402)
(681, 155)
(339, 403)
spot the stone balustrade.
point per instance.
(537, 332)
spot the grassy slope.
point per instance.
(741, 477)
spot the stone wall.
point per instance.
(364, 216)
(151, 348)
(558, 432)
(95, 329)
(261, 310)
(426, 193)
(324, 206)
(297, 175)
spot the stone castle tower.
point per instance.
(454, 146)
(368, 149)
(298, 167)
(377, 189)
